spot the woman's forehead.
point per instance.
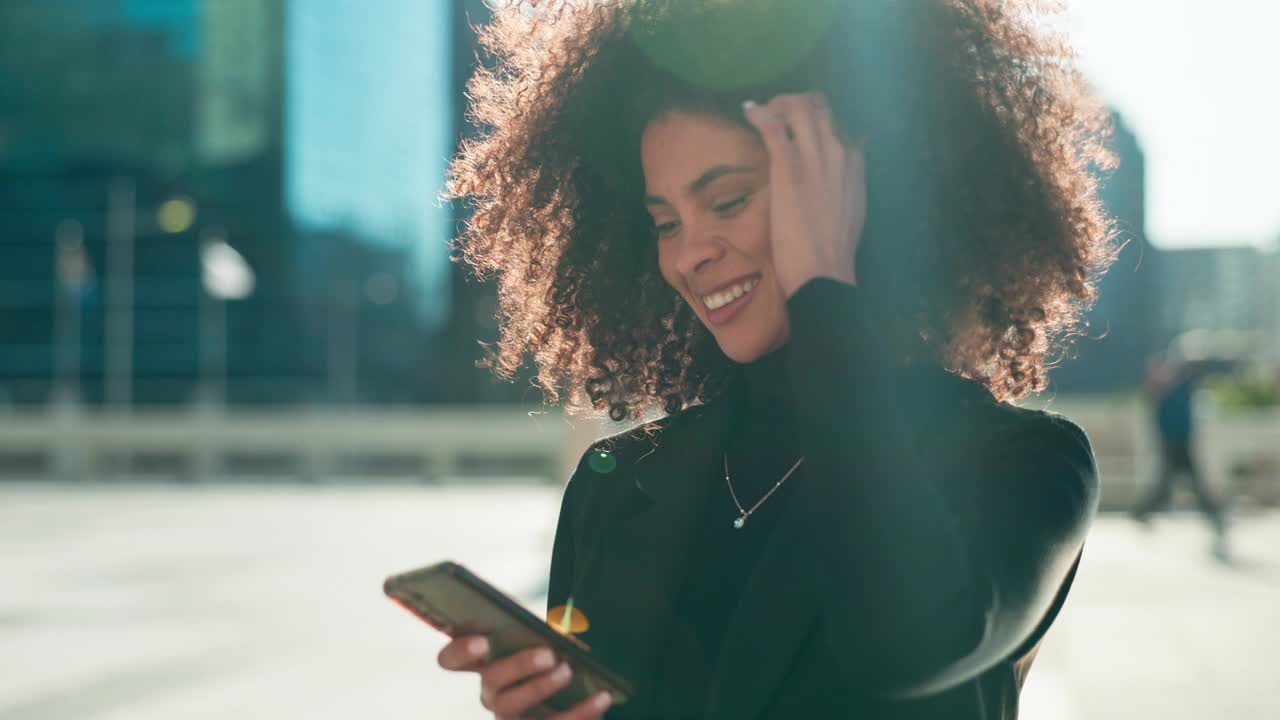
(688, 151)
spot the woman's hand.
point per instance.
(817, 190)
(513, 684)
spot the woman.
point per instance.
(833, 292)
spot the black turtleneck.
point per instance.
(761, 449)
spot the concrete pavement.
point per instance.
(141, 602)
(1155, 628)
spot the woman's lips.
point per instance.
(725, 313)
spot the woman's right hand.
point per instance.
(511, 685)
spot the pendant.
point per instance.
(740, 522)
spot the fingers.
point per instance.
(589, 709)
(799, 113)
(515, 700)
(465, 652)
(832, 147)
(502, 682)
(509, 686)
(513, 668)
(776, 136)
(798, 131)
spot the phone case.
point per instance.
(457, 602)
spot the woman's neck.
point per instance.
(762, 411)
(765, 377)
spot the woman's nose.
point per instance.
(696, 250)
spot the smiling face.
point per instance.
(707, 189)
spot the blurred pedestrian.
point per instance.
(832, 242)
(1170, 386)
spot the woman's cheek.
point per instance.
(760, 229)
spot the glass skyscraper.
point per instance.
(369, 114)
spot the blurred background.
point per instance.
(238, 381)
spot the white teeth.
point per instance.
(721, 299)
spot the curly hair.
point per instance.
(984, 236)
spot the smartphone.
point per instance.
(457, 602)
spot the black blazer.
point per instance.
(913, 573)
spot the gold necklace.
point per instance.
(742, 520)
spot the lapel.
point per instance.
(639, 534)
(630, 587)
(774, 612)
(777, 608)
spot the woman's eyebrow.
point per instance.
(702, 181)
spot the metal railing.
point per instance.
(440, 442)
(458, 441)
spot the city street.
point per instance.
(124, 601)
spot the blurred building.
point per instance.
(1151, 295)
(312, 136)
(176, 106)
(1234, 289)
(370, 98)
(374, 114)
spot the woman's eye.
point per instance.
(664, 229)
(732, 204)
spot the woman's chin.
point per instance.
(740, 350)
(748, 338)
